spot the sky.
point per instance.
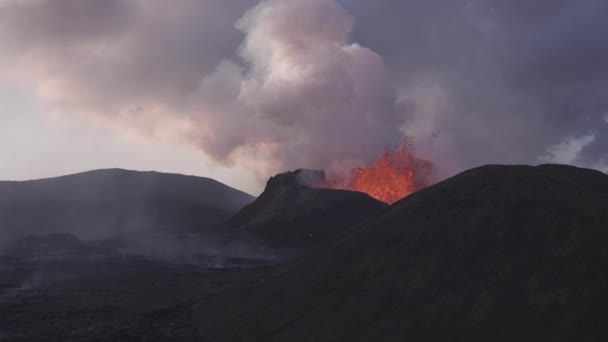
(240, 90)
(36, 145)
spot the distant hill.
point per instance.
(289, 214)
(103, 203)
(497, 253)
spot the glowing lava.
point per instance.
(395, 175)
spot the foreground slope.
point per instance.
(105, 202)
(497, 253)
(290, 214)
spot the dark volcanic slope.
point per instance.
(498, 253)
(289, 214)
(105, 202)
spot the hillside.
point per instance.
(289, 214)
(102, 203)
(497, 253)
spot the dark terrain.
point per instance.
(114, 254)
(103, 203)
(107, 298)
(141, 282)
(289, 214)
(497, 253)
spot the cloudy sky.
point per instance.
(238, 90)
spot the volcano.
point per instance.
(397, 173)
(497, 253)
(291, 214)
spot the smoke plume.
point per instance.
(306, 95)
(283, 84)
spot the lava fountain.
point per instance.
(393, 176)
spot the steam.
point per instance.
(323, 83)
(307, 96)
(570, 152)
(493, 81)
(38, 263)
(299, 92)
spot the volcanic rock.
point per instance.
(52, 245)
(497, 253)
(290, 214)
(103, 203)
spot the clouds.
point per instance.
(570, 151)
(277, 85)
(281, 84)
(117, 58)
(304, 92)
(512, 77)
(52, 24)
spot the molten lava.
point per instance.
(396, 174)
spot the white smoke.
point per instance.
(299, 93)
(322, 83)
(307, 95)
(570, 151)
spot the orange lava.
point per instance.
(395, 175)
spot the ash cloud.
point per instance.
(499, 81)
(305, 94)
(284, 84)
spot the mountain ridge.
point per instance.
(498, 253)
(106, 199)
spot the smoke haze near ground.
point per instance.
(283, 84)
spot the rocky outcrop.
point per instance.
(290, 214)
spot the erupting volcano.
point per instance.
(393, 176)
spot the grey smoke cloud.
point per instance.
(303, 93)
(501, 81)
(282, 84)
